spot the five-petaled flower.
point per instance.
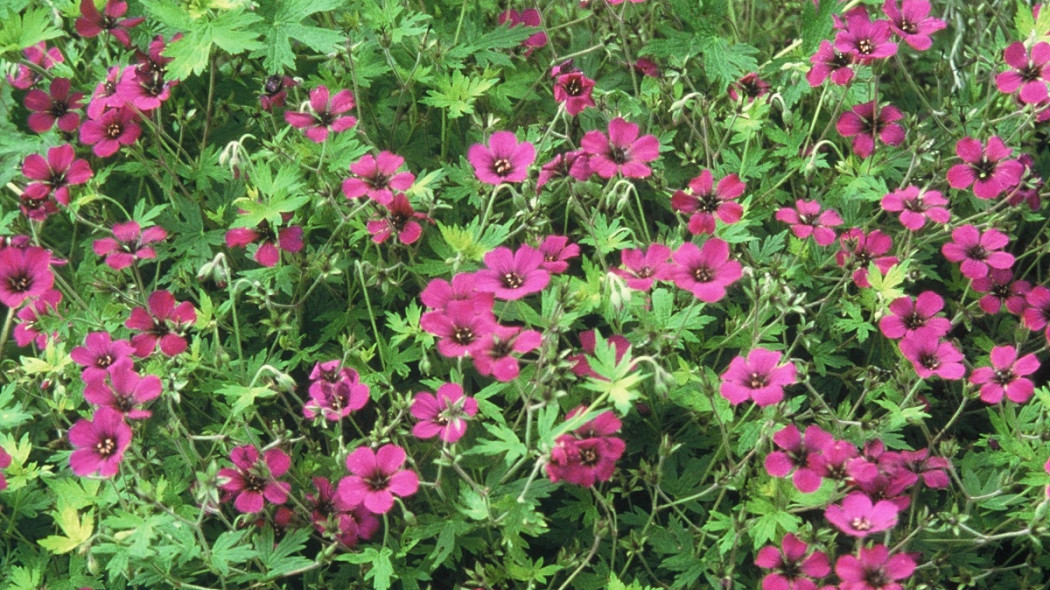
(705, 201)
(512, 275)
(1006, 376)
(165, 322)
(858, 516)
(99, 443)
(443, 413)
(1029, 73)
(792, 568)
(986, 167)
(978, 251)
(864, 123)
(376, 477)
(325, 115)
(759, 377)
(705, 271)
(253, 480)
(504, 159)
(620, 151)
(129, 243)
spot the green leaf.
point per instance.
(244, 397)
(724, 63)
(285, 23)
(816, 24)
(1023, 20)
(229, 548)
(457, 94)
(77, 530)
(20, 32)
(380, 570)
(232, 31)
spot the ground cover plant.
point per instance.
(600, 294)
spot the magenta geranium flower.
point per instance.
(129, 243)
(529, 18)
(916, 206)
(271, 242)
(1006, 376)
(985, 167)
(574, 164)
(92, 23)
(930, 355)
(5, 462)
(874, 569)
(25, 273)
(978, 252)
(496, 358)
(749, 86)
(112, 129)
(859, 249)
(574, 89)
(1001, 291)
(864, 124)
(1030, 72)
(99, 353)
(165, 322)
(621, 151)
(377, 177)
(331, 516)
(125, 391)
(144, 87)
(443, 413)
(919, 464)
(912, 22)
(806, 219)
(828, 63)
(325, 115)
(792, 568)
(54, 175)
(377, 476)
(252, 482)
(335, 391)
(858, 516)
(588, 454)
(512, 275)
(105, 95)
(99, 444)
(865, 39)
(556, 252)
(275, 92)
(39, 55)
(504, 159)
(643, 267)
(398, 219)
(907, 316)
(796, 455)
(57, 106)
(706, 272)
(1036, 316)
(704, 201)
(439, 292)
(759, 377)
(463, 326)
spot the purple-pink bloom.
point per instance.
(335, 391)
(112, 129)
(399, 218)
(588, 454)
(864, 124)
(642, 267)
(463, 326)
(275, 92)
(986, 167)
(495, 357)
(978, 251)
(377, 177)
(92, 22)
(704, 201)
(125, 391)
(621, 151)
(858, 516)
(796, 455)
(1029, 73)
(759, 377)
(504, 159)
(512, 275)
(930, 355)
(860, 249)
(165, 322)
(1001, 291)
(874, 569)
(574, 164)
(129, 243)
(99, 443)
(907, 316)
(1006, 376)
(26, 330)
(57, 105)
(916, 206)
(252, 482)
(750, 86)
(865, 39)
(807, 219)
(55, 174)
(829, 63)
(39, 55)
(919, 464)
(1036, 316)
(792, 568)
(105, 95)
(5, 462)
(556, 252)
(443, 413)
(325, 115)
(25, 273)
(912, 22)
(574, 89)
(377, 476)
(705, 272)
(330, 515)
(99, 353)
(271, 242)
(529, 18)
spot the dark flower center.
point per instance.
(398, 221)
(618, 154)
(929, 361)
(756, 381)
(789, 569)
(1004, 376)
(108, 22)
(273, 85)
(123, 403)
(976, 252)
(876, 578)
(20, 283)
(512, 280)
(1001, 290)
(109, 88)
(914, 320)
(908, 27)
(501, 167)
(462, 335)
(644, 272)
(501, 348)
(863, 257)
(574, 87)
(840, 60)
(377, 181)
(57, 178)
(865, 46)
(751, 88)
(1046, 313)
(915, 205)
(58, 108)
(106, 447)
(378, 481)
(708, 203)
(160, 329)
(703, 274)
(984, 168)
(254, 483)
(325, 118)
(588, 457)
(1031, 72)
(104, 360)
(113, 130)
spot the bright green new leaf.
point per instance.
(77, 530)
